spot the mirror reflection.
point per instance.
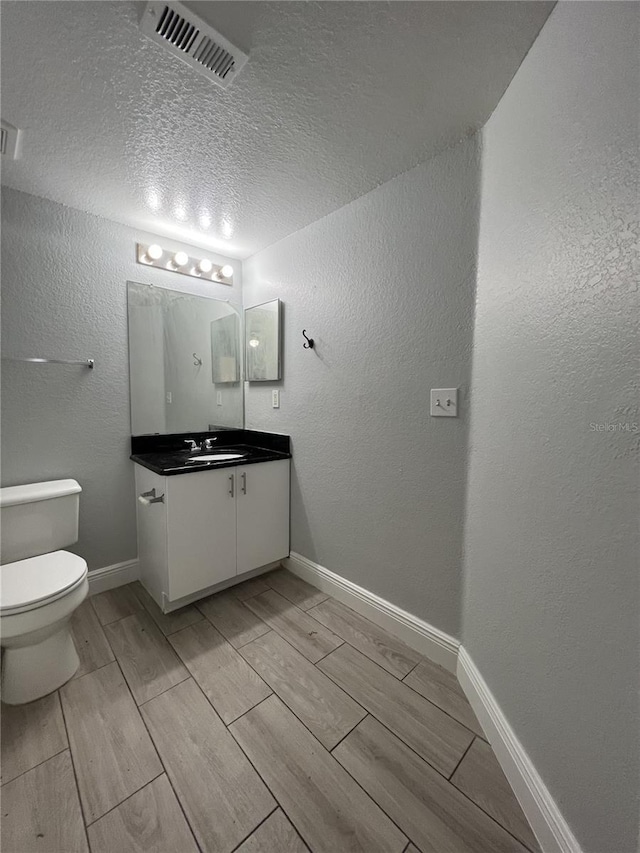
(184, 361)
(263, 342)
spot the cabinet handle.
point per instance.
(231, 482)
(244, 483)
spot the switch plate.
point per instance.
(275, 398)
(218, 398)
(169, 397)
(444, 402)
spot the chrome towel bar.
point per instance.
(85, 362)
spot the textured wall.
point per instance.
(64, 277)
(551, 560)
(385, 286)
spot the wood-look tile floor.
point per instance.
(268, 718)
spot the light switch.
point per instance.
(218, 398)
(169, 397)
(444, 402)
(275, 398)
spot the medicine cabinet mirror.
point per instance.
(263, 342)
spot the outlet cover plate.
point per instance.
(444, 402)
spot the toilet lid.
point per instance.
(33, 582)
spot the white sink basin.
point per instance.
(216, 457)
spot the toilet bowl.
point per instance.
(38, 597)
(40, 589)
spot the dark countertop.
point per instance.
(167, 455)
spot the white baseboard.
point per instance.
(547, 822)
(424, 638)
(110, 577)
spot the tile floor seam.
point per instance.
(164, 770)
(329, 751)
(128, 797)
(372, 798)
(162, 692)
(323, 627)
(404, 832)
(444, 711)
(462, 757)
(84, 674)
(316, 662)
(401, 680)
(274, 693)
(191, 675)
(120, 618)
(322, 746)
(372, 714)
(255, 829)
(244, 713)
(177, 631)
(204, 616)
(73, 767)
(494, 819)
(466, 796)
(255, 769)
(415, 666)
(305, 610)
(39, 764)
(355, 726)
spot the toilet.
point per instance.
(40, 587)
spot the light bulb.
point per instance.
(254, 342)
(205, 265)
(154, 252)
(226, 271)
(180, 259)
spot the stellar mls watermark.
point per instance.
(615, 426)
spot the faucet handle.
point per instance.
(192, 444)
(207, 444)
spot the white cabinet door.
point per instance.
(263, 514)
(201, 536)
(152, 533)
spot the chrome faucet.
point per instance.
(192, 444)
(207, 444)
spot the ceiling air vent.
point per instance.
(9, 139)
(198, 44)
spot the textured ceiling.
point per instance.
(336, 98)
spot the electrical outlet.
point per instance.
(444, 402)
(275, 398)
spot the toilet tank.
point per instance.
(37, 518)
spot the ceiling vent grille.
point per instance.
(196, 43)
(9, 139)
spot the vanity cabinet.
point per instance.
(210, 526)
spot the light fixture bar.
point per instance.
(153, 255)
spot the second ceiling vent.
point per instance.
(198, 44)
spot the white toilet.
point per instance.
(40, 587)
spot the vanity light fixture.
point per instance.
(150, 254)
(180, 259)
(153, 255)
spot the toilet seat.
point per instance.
(37, 581)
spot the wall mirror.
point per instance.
(185, 361)
(263, 342)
